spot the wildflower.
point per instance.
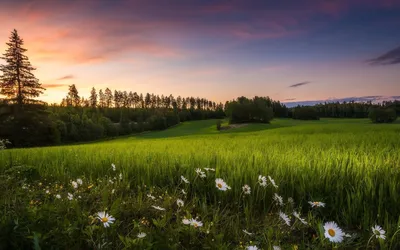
(113, 191)
(184, 179)
(70, 196)
(209, 169)
(141, 235)
(184, 192)
(120, 176)
(186, 221)
(316, 204)
(276, 247)
(347, 235)
(105, 218)
(200, 173)
(74, 184)
(278, 199)
(195, 223)
(151, 196)
(247, 232)
(378, 232)
(47, 192)
(159, 208)
(285, 218)
(290, 200)
(79, 181)
(180, 203)
(113, 167)
(252, 248)
(262, 180)
(110, 181)
(297, 215)
(272, 181)
(90, 186)
(221, 185)
(246, 189)
(333, 232)
(58, 196)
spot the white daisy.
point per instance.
(159, 208)
(184, 180)
(186, 221)
(246, 189)
(203, 175)
(113, 167)
(113, 191)
(297, 215)
(278, 199)
(247, 232)
(141, 235)
(333, 232)
(120, 176)
(70, 196)
(105, 218)
(262, 180)
(110, 181)
(272, 181)
(209, 169)
(285, 218)
(79, 181)
(378, 232)
(221, 185)
(316, 204)
(180, 203)
(252, 248)
(58, 196)
(184, 192)
(47, 192)
(151, 196)
(74, 184)
(276, 247)
(195, 223)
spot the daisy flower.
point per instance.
(74, 184)
(262, 180)
(378, 232)
(105, 218)
(290, 200)
(333, 232)
(252, 248)
(151, 196)
(221, 185)
(209, 169)
(159, 208)
(200, 173)
(272, 181)
(278, 199)
(184, 192)
(58, 196)
(141, 235)
(113, 167)
(120, 176)
(70, 196)
(184, 179)
(79, 181)
(246, 189)
(47, 192)
(276, 247)
(285, 218)
(186, 221)
(316, 204)
(247, 232)
(113, 191)
(297, 215)
(180, 203)
(195, 223)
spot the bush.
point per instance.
(382, 115)
(305, 113)
(219, 124)
(245, 110)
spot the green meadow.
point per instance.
(351, 165)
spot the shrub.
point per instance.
(219, 124)
(382, 115)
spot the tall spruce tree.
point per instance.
(18, 83)
(93, 98)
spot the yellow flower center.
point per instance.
(195, 225)
(104, 220)
(219, 185)
(331, 232)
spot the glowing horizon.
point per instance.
(211, 49)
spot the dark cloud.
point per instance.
(53, 85)
(298, 84)
(67, 77)
(290, 99)
(391, 57)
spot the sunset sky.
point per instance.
(288, 50)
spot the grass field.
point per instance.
(351, 165)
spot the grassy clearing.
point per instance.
(351, 165)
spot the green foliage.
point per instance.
(305, 113)
(243, 110)
(219, 125)
(382, 115)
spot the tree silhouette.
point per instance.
(17, 82)
(93, 98)
(73, 96)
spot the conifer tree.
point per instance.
(17, 82)
(93, 98)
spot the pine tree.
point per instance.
(109, 97)
(93, 98)
(17, 82)
(73, 96)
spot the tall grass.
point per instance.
(351, 165)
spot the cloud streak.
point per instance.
(67, 77)
(53, 85)
(299, 84)
(390, 57)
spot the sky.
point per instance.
(292, 51)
